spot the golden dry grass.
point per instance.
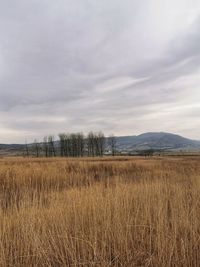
(100, 212)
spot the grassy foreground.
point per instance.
(100, 212)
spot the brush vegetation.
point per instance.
(100, 212)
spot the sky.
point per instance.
(123, 67)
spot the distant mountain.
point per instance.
(157, 141)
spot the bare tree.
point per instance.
(97, 149)
(112, 143)
(95, 144)
(101, 142)
(51, 146)
(27, 149)
(62, 144)
(45, 145)
(91, 144)
(81, 144)
(37, 148)
(67, 145)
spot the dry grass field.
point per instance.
(100, 212)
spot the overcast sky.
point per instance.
(123, 67)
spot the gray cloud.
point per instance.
(120, 66)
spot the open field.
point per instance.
(100, 212)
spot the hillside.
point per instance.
(156, 140)
(11, 149)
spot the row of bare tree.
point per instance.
(73, 145)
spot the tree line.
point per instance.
(73, 145)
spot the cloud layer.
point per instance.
(124, 67)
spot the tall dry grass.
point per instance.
(100, 212)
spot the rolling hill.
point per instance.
(157, 141)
